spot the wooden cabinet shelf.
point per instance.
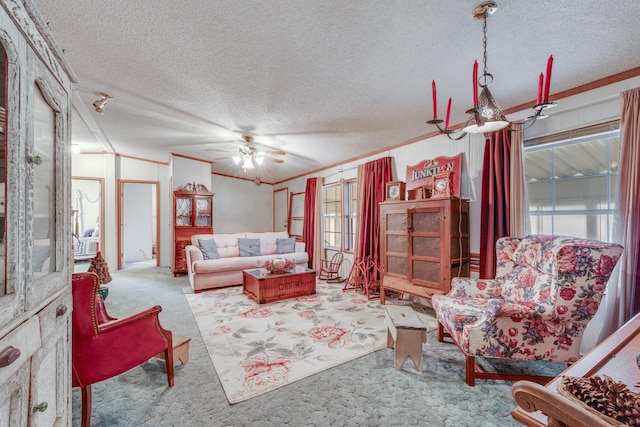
(193, 211)
(424, 243)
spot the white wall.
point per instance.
(241, 205)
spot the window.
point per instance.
(339, 216)
(571, 185)
(331, 209)
(350, 215)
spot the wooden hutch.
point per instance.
(193, 214)
(423, 244)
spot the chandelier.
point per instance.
(486, 116)
(248, 157)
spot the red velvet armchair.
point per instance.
(103, 346)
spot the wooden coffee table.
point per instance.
(264, 288)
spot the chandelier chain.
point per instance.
(484, 43)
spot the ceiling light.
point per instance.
(486, 116)
(99, 104)
(75, 148)
(248, 157)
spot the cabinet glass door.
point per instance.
(44, 187)
(184, 211)
(203, 211)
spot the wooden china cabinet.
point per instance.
(423, 244)
(35, 248)
(193, 214)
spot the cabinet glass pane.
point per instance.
(203, 211)
(183, 211)
(44, 187)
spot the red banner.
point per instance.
(420, 175)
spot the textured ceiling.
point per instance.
(325, 81)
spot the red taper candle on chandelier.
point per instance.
(540, 79)
(475, 83)
(547, 84)
(435, 102)
(446, 123)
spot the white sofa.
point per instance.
(227, 269)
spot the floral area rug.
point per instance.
(256, 348)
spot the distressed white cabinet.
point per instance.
(35, 212)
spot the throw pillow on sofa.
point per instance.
(249, 247)
(285, 246)
(209, 248)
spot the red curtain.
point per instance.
(372, 186)
(308, 225)
(494, 221)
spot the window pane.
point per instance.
(572, 184)
(582, 193)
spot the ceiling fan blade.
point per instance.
(273, 152)
(274, 160)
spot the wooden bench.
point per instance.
(180, 349)
(406, 333)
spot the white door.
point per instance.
(280, 209)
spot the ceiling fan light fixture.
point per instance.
(247, 163)
(259, 160)
(236, 159)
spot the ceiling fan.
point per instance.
(248, 156)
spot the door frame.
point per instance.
(120, 207)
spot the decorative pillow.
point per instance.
(88, 232)
(249, 247)
(209, 248)
(285, 246)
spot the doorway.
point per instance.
(87, 208)
(138, 226)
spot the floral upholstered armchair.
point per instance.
(546, 290)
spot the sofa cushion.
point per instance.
(268, 240)
(227, 243)
(285, 246)
(209, 248)
(249, 247)
(222, 265)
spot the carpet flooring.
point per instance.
(367, 391)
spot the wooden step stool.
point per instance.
(406, 332)
(180, 349)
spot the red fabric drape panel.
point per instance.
(308, 225)
(494, 221)
(377, 174)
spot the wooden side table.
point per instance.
(405, 333)
(180, 349)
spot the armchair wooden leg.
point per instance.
(440, 332)
(470, 369)
(86, 405)
(168, 359)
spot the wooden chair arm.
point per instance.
(560, 411)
